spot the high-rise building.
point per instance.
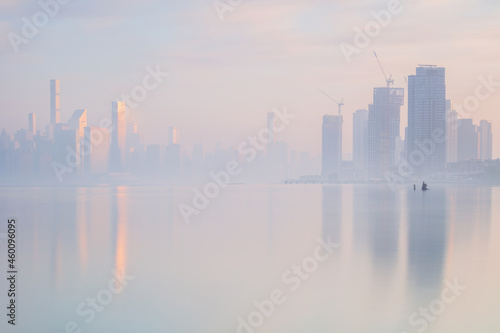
(467, 143)
(32, 123)
(485, 140)
(451, 132)
(134, 145)
(78, 121)
(426, 119)
(55, 102)
(360, 139)
(271, 118)
(383, 130)
(198, 156)
(66, 150)
(131, 128)
(331, 145)
(173, 136)
(154, 154)
(173, 160)
(95, 150)
(118, 136)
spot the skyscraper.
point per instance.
(271, 117)
(485, 140)
(78, 121)
(451, 132)
(55, 106)
(173, 136)
(32, 123)
(118, 136)
(383, 130)
(198, 156)
(173, 153)
(96, 150)
(426, 119)
(360, 140)
(331, 145)
(66, 149)
(467, 143)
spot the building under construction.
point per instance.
(383, 130)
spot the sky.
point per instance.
(226, 74)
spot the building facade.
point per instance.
(360, 140)
(55, 102)
(485, 140)
(118, 136)
(331, 145)
(426, 143)
(451, 132)
(383, 130)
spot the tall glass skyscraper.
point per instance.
(360, 141)
(426, 144)
(451, 132)
(118, 136)
(331, 145)
(383, 130)
(485, 140)
(55, 102)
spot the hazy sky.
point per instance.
(226, 75)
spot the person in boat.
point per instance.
(424, 186)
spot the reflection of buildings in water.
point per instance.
(65, 234)
(360, 215)
(270, 218)
(172, 194)
(383, 217)
(119, 229)
(427, 239)
(82, 222)
(469, 220)
(471, 209)
(483, 213)
(332, 213)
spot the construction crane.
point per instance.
(340, 104)
(389, 80)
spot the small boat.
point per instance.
(424, 187)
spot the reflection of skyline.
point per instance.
(82, 221)
(332, 213)
(474, 208)
(270, 218)
(365, 277)
(65, 243)
(483, 212)
(119, 229)
(469, 223)
(383, 207)
(427, 238)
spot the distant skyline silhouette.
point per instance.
(226, 76)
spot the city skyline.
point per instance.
(300, 165)
(279, 63)
(173, 132)
(435, 141)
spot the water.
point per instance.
(398, 251)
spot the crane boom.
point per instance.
(340, 104)
(389, 80)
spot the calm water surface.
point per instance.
(398, 250)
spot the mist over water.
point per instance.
(398, 250)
